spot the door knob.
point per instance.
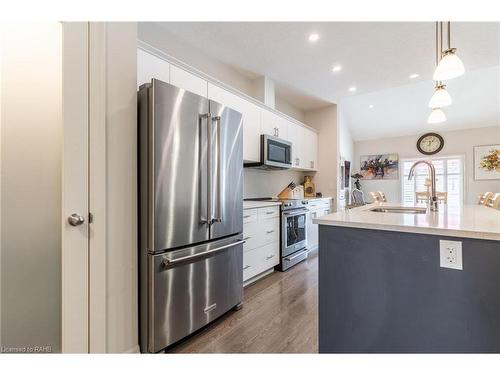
(75, 220)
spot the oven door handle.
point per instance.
(168, 262)
(293, 213)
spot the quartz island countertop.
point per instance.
(467, 221)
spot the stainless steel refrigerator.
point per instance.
(190, 213)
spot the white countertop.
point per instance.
(468, 221)
(258, 204)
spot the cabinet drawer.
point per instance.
(260, 233)
(269, 212)
(250, 215)
(259, 260)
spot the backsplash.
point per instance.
(262, 183)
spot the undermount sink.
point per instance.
(400, 210)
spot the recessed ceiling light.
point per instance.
(370, 106)
(337, 68)
(313, 37)
(352, 88)
(414, 75)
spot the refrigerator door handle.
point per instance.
(205, 219)
(169, 262)
(218, 213)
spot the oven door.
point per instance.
(276, 152)
(293, 231)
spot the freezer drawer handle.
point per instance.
(168, 262)
(296, 255)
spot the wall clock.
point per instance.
(430, 143)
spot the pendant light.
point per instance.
(441, 97)
(450, 66)
(437, 116)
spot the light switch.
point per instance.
(450, 254)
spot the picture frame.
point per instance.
(486, 162)
(379, 166)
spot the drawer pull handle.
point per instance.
(270, 212)
(246, 267)
(246, 216)
(270, 231)
(269, 257)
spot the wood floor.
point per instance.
(279, 315)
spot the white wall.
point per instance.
(31, 148)
(285, 107)
(325, 121)
(346, 152)
(121, 185)
(458, 142)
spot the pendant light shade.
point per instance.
(441, 97)
(450, 66)
(437, 116)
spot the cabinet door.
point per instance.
(311, 149)
(273, 124)
(251, 119)
(187, 81)
(149, 66)
(296, 136)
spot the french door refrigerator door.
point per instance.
(179, 166)
(226, 171)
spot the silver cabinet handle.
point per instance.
(246, 216)
(269, 212)
(269, 257)
(246, 238)
(75, 220)
(270, 231)
(246, 267)
(168, 262)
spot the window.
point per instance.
(449, 178)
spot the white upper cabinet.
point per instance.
(311, 150)
(251, 119)
(149, 66)
(296, 136)
(187, 81)
(274, 125)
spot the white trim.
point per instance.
(97, 188)
(75, 240)
(172, 60)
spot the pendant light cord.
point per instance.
(449, 35)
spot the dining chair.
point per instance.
(483, 198)
(375, 195)
(382, 196)
(442, 197)
(493, 201)
(358, 198)
(421, 196)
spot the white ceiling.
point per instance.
(377, 58)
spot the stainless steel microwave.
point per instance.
(275, 153)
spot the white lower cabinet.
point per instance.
(261, 233)
(317, 208)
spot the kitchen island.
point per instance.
(382, 289)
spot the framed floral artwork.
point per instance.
(379, 167)
(487, 162)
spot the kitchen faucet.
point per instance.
(433, 200)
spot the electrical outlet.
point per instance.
(450, 254)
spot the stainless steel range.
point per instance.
(293, 231)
